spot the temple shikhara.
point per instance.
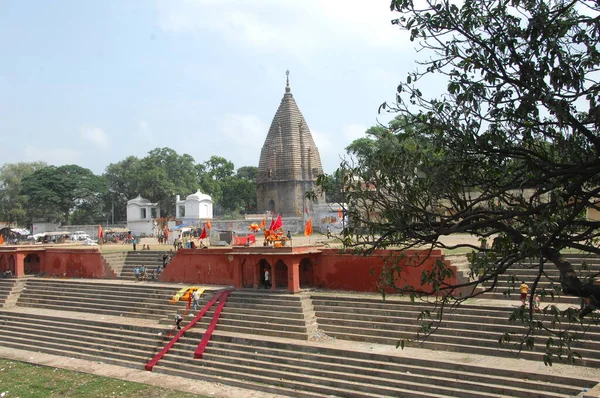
(289, 162)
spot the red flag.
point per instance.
(100, 232)
(203, 234)
(208, 224)
(340, 213)
(308, 229)
(1, 240)
(306, 210)
(277, 223)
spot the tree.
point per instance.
(158, 177)
(53, 193)
(123, 185)
(510, 152)
(12, 203)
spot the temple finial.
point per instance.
(287, 81)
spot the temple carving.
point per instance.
(289, 162)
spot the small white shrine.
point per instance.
(141, 214)
(196, 207)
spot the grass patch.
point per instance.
(19, 379)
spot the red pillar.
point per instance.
(257, 275)
(237, 275)
(19, 263)
(273, 277)
(294, 276)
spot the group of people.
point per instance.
(7, 273)
(141, 273)
(145, 247)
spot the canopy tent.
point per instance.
(116, 230)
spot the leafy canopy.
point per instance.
(510, 152)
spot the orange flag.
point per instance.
(208, 224)
(1, 240)
(275, 225)
(100, 232)
(263, 223)
(166, 231)
(340, 213)
(203, 234)
(308, 229)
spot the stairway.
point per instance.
(6, 287)
(305, 371)
(138, 301)
(508, 283)
(150, 258)
(115, 260)
(284, 367)
(266, 314)
(473, 329)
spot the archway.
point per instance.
(264, 266)
(11, 264)
(272, 206)
(3, 264)
(281, 275)
(31, 264)
(306, 274)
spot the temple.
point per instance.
(289, 162)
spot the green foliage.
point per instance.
(509, 153)
(13, 204)
(54, 192)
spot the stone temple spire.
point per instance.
(289, 160)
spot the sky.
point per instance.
(92, 82)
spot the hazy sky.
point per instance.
(92, 82)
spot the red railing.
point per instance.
(213, 324)
(174, 340)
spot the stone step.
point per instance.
(105, 310)
(265, 307)
(292, 381)
(416, 370)
(369, 376)
(473, 346)
(328, 357)
(99, 302)
(115, 287)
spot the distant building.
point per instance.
(141, 215)
(289, 162)
(196, 207)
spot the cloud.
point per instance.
(299, 27)
(245, 134)
(96, 136)
(53, 156)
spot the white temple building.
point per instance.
(141, 214)
(195, 208)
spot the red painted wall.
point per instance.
(330, 269)
(361, 273)
(201, 266)
(84, 263)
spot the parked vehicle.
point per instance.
(79, 235)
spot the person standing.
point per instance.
(524, 290)
(267, 279)
(328, 232)
(136, 273)
(196, 300)
(134, 243)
